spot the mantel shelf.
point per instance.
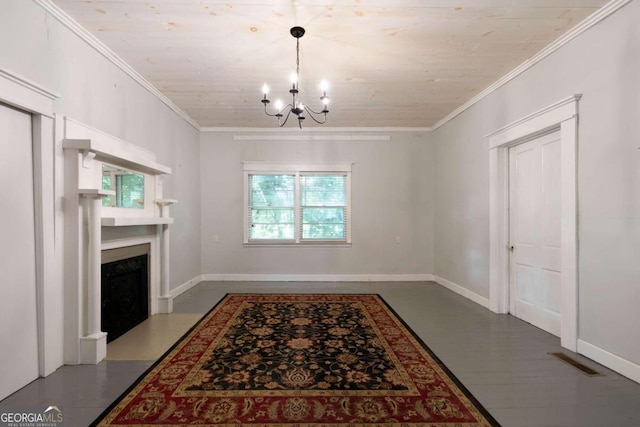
(120, 155)
(97, 192)
(129, 221)
(166, 202)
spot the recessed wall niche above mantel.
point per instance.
(108, 182)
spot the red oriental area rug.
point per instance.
(298, 360)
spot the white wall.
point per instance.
(602, 64)
(92, 90)
(462, 204)
(36, 47)
(392, 195)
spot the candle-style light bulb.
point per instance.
(324, 85)
(265, 89)
(278, 104)
(294, 78)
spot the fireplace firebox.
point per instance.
(125, 290)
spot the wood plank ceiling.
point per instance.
(400, 63)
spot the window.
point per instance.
(297, 204)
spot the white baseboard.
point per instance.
(478, 299)
(186, 286)
(318, 277)
(299, 278)
(616, 363)
(331, 278)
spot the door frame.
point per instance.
(563, 116)
(33, 99)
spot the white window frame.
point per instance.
(297, 169)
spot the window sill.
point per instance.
(297, 245)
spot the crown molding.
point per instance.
(603, 13)
(110, 55)
(315, 129)
(303, 137)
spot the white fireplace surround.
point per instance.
(85, 151)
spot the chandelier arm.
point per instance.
(267, 112)
(277, 112)
(285, 118)
(313, 114)
(307, 108)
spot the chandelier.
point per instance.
(296, 106)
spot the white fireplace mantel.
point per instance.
(118, 152)
(119, 221)
(85, 151)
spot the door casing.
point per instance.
(29, 97)
(563, 116)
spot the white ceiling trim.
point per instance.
(101, 48)
(273, 137)
(603, 13)
(317, 129)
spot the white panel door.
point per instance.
(18, 324)
(534, 232)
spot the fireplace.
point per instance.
(125, 289)
(133, 291)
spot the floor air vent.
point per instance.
(582, 368)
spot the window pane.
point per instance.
(272, 190)
(322, 190)
(323, 215)
(323, 223)
(271, 231)
(323, 231)
(272, 216)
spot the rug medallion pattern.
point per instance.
(303, 360)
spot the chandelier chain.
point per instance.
(298, 61)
